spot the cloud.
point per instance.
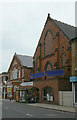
(23, 23)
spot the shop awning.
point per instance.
(47, 73)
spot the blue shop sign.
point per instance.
(47, 73)
(73, 79)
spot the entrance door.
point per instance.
(35, 93)
(47, 93)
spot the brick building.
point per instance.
(18, 72)
(3, 84)
(73, 78)
(53, 52)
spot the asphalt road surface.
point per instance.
(12, 109)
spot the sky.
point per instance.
(22, 23)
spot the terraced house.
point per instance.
(53, 53)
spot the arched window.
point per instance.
(14, 72)
(48, 93)
(63, 57)
(11, 76)
(48, 42)
(48, 66)
(19, 72)
(35, 92)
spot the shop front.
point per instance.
(48, 94)
(26, 96)
(47, 83)
(74, 89)
(31, 91)
(21, 96)
(16, 87)
(9, 91)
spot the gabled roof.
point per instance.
(25, 60)
(68, 30)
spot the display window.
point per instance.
(9, 91)
(48, 94)
(75, 92)
(17, 95)
(23, 96)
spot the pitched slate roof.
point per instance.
(69, 31)
(25, 60)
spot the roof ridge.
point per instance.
(25, 60)
(24, 55)
(62, 22)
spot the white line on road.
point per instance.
(6, 108)
(29, 115)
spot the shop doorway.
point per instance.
(48, 94)
(35, 93)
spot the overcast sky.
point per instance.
(23, 22)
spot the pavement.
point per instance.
(51, 106)
(54, 107)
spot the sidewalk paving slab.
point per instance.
(53, 107)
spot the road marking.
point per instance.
(29, 115)
(6, 108)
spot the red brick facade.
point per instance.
(23, 73)
(52, 53)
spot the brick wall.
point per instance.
(59, 43)
(56, 56)
(74, 57)
(24, 73)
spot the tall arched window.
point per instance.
(48, 42)
(19, 73)
(48, 66)
(48, 93)
(14, 72)
(63, 57)
(35, 92)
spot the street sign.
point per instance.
(27, 84)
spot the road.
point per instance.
(12, 109)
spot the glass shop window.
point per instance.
(75, 92)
